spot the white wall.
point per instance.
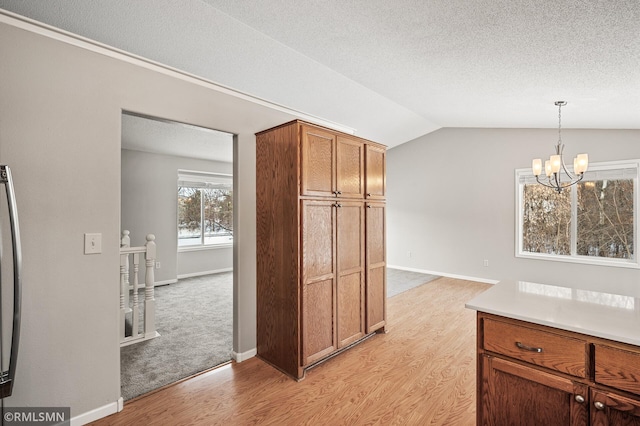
(205, 261)
(149, 206)
(451, 203)
(60, 115)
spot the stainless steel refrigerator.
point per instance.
(10, 283)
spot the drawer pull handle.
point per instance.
(579, 399)
(599, 405)
(528, 348)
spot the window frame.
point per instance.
(198, 180)
(521, 177)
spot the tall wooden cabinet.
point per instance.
(321, 268)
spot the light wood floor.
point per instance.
(422, 372)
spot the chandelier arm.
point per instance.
(548, 185)
(558, 181)
(573, 182)
(566, 171)
(552, 186)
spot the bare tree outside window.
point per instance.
(546, 220)
(218, 213)
(605, 218)
(205, 216)
(189, 220)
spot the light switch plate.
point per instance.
(92, 243)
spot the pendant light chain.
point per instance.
(559, 123)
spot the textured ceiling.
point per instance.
(177, 139)
(393, 70)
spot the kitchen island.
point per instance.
(557, 355)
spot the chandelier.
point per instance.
(558, 176)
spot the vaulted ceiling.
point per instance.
(392, 70)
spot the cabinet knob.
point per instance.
(599, 405)
(368, 194)
(337, 205)
(579, 399)
(368, 206)
(336, 193)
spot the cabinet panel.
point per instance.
(350, 308)
(538, 347)
(617, 368)
(318, 162)
(515, 394)
(318, 325)
(350, 168)
(350, 229)
(278, 276)
(376, 233)
(610, 409)
(318, 234)
(376, 288)
(350, 252)
(376, 298)
(375, 180)
(318, 280)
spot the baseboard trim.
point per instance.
(198, 274)
(445, 274)
(98, 413)
(243, 356)
(164, 282)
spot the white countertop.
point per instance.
(610, 316)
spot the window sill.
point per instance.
(585, 260)
(201, 248)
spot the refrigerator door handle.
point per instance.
(7, 377)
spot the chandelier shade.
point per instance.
(558, 177)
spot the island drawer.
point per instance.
(537, 346)
(617, 368)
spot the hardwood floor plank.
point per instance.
(421, 372)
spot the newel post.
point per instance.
(125, 242)
(149, 282)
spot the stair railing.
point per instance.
(129, 269)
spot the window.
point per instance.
(592, 222)
(205, 210)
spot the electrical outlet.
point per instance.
(158, 265)
(92, 243)
(486, 262)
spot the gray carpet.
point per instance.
(195, 320)
(399, 281)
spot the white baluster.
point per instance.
(125, 242)
(149, 282)
(135, 319)
(124, 289)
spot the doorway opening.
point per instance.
(176, 184)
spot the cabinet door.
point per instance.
(610, 409)
(318, 162)
(318, 280)
(513, 394)
(376, 289)
(351, 273)
(349, 168)
(375, 166)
